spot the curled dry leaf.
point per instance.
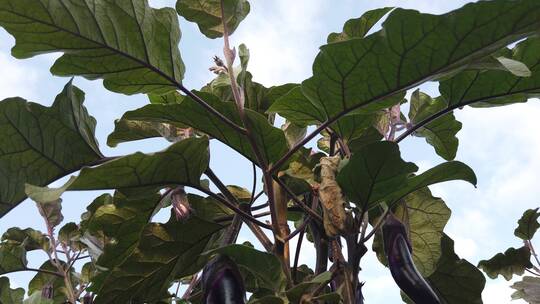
(331, 197)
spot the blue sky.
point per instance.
(283, 37)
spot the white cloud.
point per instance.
(15, 78)
(282, 38)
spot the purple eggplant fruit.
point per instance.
(222, 282)
(359, 296)
(398, 252)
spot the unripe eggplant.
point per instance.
(47, 291)
(222, 282)
(398, 252)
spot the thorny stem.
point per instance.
(254, 187)
(194, 281)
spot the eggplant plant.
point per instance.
(354, 187)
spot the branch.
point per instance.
(252, 226)
(36, 270)
(231, 206)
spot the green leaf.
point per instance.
(12, 258)
(165, 252)
(515, 67)
(207, 14)
(359, 27)
(41, 144)
(70, 235)
(137, 53)
(261, 270)
(293, 133)
(413, 48)
(240, 193)
(31, 239)
(512, 261)
(528, 224)
(122, 221)
(376, 172)
(131, 130)
(42, 279)
(456, 280)
(440, 133)
(295, 293)
(182, 163)
(426, 216)
(8, 295)
(495, 87)
(51, 212)
(270, 140)
(528, 289)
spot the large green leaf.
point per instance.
(164, 253)
(8, 295)
(456, 280)
(413, 48)
(263, 270)
(441, 133)
(207, 14)
(376, 172)
(527, 289)
(130, 45)
(496, 87)
(270, 140)
(39, 144)
(528, 224)
(182, 163)
(426, 217)
(359, 27)
(512, 261)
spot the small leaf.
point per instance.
(515, 67)
(358, 28)
(131, 130)
(207, 14)
(51, 212)
(440, 133)
(528, 289)
(512, 261)
(295, 293)
(293, 133)
(31, 239)
(528, 224)
(241, 194)
(12, 258)
(8, 295)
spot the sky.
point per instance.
(500, 144)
